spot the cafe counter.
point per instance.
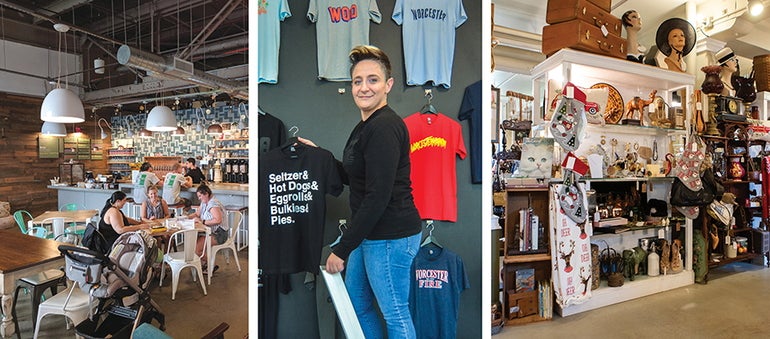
(94, 198)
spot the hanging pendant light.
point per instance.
(214, 129)
(62, 105)
(161, 119)
(179, 132)
(53, 129)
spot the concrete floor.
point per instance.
(191, 315)
(734, 304)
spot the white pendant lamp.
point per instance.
(62, 105)
(53, 129)
(161, 119)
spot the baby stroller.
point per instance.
(119, 282)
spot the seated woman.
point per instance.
(153, 207)
(113, 222)
(212, 214)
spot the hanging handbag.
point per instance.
(683, 196)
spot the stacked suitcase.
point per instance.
(585, 25)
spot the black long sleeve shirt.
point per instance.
(376, 162)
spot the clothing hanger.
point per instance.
(428, 107)
(343, 224)
(292, 143)
(258, 109)
(430, 239)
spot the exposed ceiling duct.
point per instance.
(179, 69)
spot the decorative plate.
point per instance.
(615, 104)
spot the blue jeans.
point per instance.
(380, 269)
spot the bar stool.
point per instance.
(242, 237)
(178, 209)
(36, 285)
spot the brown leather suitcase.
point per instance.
(581, 35)
(606, 5)
(565, 10)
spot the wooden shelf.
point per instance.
(525, 258)
(525, 320)
(642, 285)
(725, 260)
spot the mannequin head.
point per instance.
(675, 36)
(676, 40)
(632, 21)
(727, 60)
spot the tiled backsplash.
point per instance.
(192, 144)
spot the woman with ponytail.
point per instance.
(113, 222)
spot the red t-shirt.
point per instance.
(434, 140)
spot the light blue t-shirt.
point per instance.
(340, 26)
(429, 38)
(271, 13)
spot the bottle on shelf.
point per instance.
(217, 172)
(244, 171)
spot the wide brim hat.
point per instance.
(661, 37)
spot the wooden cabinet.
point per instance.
(526, 255)
(733, 167)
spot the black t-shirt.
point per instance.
(196, 175)
(471, 110)
(292, 207)
(271, 132)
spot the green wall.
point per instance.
(326, 117)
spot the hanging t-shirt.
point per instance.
(471, 110)
(271, 132)
(269, 38)
(292, 207)
(340, 26)
(438, 278)
(429, 38)
(434, 141)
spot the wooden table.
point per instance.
(60, 217)
(22, 255)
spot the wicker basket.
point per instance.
(615, 279)
(762, 72)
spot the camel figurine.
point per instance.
(638, 104)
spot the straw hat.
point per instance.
(724, 55)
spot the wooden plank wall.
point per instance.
(23, 176)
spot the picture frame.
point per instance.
(495, 128)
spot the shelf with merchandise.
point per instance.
(628, 80)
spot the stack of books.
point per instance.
(529, 230)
